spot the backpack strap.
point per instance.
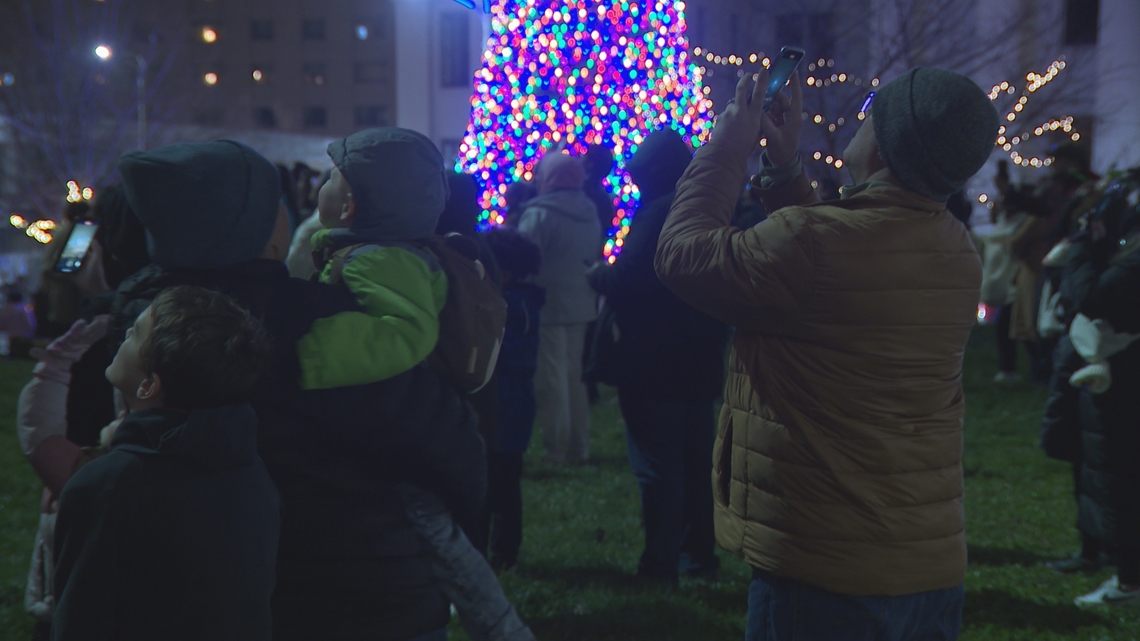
(336, 257)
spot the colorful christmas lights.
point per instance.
(574, 73)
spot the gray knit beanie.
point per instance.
(935, 130)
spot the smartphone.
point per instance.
(780, 71)
(78, 242)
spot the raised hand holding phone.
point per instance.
(743, 122)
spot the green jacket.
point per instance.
(402, 289)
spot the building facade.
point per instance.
(327, 68)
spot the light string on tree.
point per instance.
(731, 59)
(575, 73)
(1008, 143)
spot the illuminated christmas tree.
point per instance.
(575, 73)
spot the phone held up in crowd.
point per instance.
(78, 243)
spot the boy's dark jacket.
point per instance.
(350, 565)
(518, 360)
(172, 535)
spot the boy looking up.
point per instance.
(386, 192)
(173, 533)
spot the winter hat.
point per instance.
(935, 130)
(398, 182)
(559, 171)
(205, 205)
(658, 163)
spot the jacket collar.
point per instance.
(880, 194)
(216, 438)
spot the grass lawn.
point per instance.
(583, 538)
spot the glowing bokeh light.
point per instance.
(578, 73)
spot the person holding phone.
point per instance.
(837, 467)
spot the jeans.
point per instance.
(504, 501)
(670, 451)
(781, 609)
(463, 573)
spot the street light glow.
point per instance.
(103, 51)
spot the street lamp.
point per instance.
(103, 52)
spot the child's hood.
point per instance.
(216, 438)
(397, 180)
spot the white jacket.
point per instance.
(565, 225)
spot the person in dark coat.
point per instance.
(350, 565)
(599, 163)
(519, 258)
(173, 533)
(1102, 280)
(670, 370)
(119, 252)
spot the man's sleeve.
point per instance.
(401, 297)
(741, 277)
(530, 224)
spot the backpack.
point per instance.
(473, 319)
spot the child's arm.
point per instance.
(41, 413)
(401, 296)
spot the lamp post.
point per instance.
(104, 52)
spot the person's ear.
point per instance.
(150, 388)
(348, 212)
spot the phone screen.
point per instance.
(782, 69)
(77, 245)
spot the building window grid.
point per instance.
(261, 30)
(313, 29)
(315, 117)
(454, 50)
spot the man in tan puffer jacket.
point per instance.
(837, 465)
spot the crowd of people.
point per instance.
(1063, 271)
(292, 406)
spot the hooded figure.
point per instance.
(564, 223)
(669, 370)
(205, 205)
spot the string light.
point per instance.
(1034, 82)
(731, 60)
(576, 74)
(210, 78)
(209, 35)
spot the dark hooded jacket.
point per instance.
(665, 348)
(1109, 485)
(350, 566)
(172, 535)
